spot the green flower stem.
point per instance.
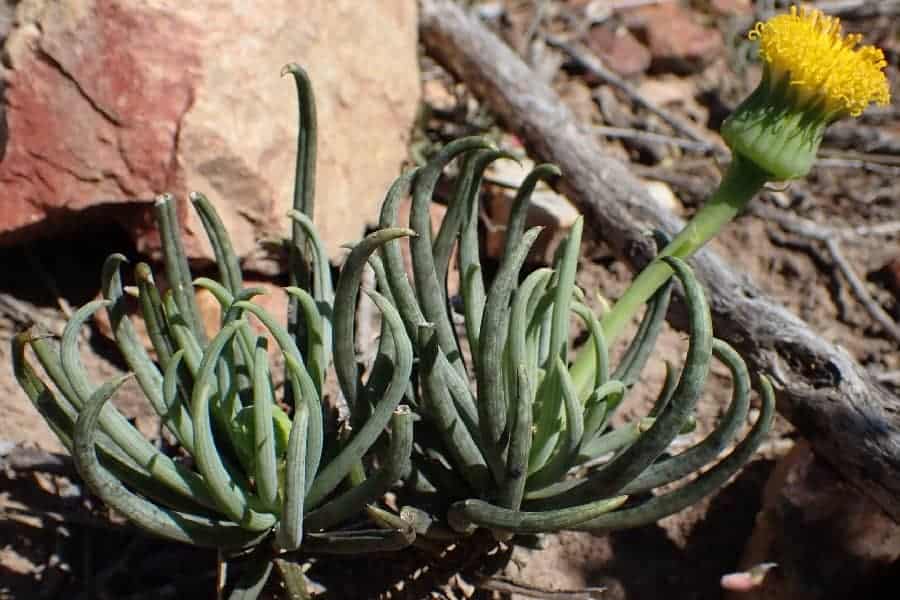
(741, 182)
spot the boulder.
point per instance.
(109, 103)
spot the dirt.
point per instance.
(55, 542)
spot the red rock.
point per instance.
(676, 39)
(619, 49)
(89, 124)
(109, 103)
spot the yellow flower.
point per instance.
(813, 74)
(809, 49)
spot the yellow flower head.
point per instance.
(813, 74)
(822, 64)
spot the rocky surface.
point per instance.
(109, 103)
(676, 38)
(826, 539)
(619, 49)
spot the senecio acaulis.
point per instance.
(258, 476)
(528, 448)
(512, 454)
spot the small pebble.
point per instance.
(746, 580)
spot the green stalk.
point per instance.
(741, 182)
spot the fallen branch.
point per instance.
(850, 419)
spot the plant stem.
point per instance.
(741, 182)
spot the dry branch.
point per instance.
(850, 419)
(832, 238)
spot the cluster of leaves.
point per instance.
(253, 466)
(502, 455)
(523, 450)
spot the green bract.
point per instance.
(772, 132)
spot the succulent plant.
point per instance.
(248, 472)
(527, 451)
(523, 450)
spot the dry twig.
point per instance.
(593, 65)
(647, 136)
(831, 238)
(859, 289)
(813, 230)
